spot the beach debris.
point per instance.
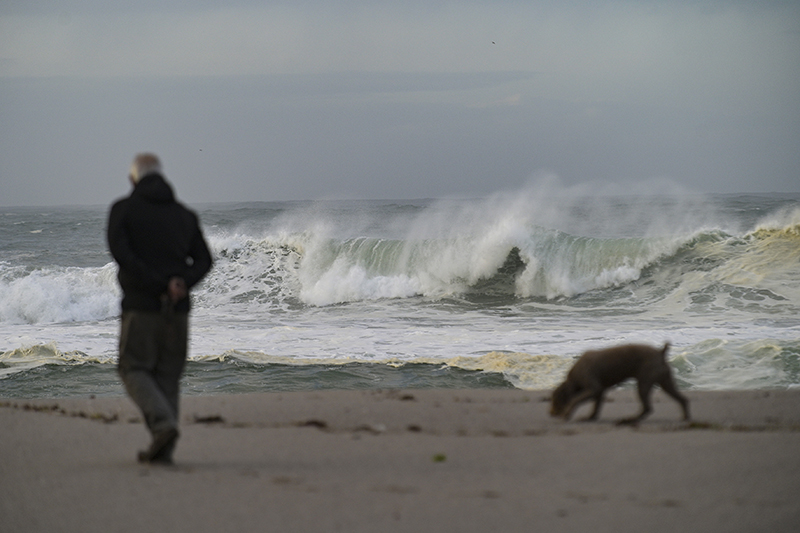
(375, 429)
(55, 408)
(439, 458)
(398, 395)
(210, 419)
(101, 417)
(40, 408)
(313, 423)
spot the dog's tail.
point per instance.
(665, 349)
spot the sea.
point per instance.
(503, 291)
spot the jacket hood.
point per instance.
(154, 188)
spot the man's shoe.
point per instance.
(160, 451)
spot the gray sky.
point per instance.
(278, 100)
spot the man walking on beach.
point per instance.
(161, 254)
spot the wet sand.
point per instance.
(410, 460)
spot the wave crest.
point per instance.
(307, 269)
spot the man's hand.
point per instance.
(176, 290)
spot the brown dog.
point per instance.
(598, 370)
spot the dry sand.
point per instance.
(417, 460)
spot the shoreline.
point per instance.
(405, 460)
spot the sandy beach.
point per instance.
(404, 460)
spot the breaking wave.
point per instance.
(538, 263)
(483, 255)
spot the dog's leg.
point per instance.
(598, 403)
(644, 389)
(667, 384)
(576, 401)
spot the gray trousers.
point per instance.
(152, 355)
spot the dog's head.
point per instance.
(560, 398)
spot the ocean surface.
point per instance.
(503, 291)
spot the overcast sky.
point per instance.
(278, 100)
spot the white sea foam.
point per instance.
(50, 295)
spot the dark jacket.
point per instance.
(152, 237)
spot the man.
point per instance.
(161, 254)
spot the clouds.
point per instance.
(239, 40)
(386, 99)
(641, 43)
